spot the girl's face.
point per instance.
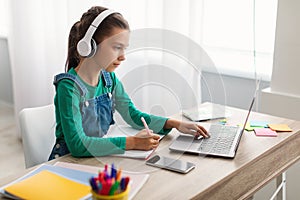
(111, 51)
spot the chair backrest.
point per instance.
(38, 133)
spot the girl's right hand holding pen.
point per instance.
(143, 140)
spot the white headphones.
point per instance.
(87, 46)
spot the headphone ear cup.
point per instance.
(93, 48)
(84, 47)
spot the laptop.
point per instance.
(223, 142)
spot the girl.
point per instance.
(88, 93)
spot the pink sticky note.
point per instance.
(265, 132)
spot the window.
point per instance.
(239, 36)
(229, 31)
(4, 11)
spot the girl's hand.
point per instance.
(142, 141)
(192, 129)
(187, 128)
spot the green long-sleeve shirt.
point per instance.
(69, 119)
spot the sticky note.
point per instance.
(259, 124)
(265, 132)
(223, 121)
(280, 127)
(248, 127)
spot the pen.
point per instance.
(94, 184)
(113, 173)
(114, 188)
(122, 183)
(127, 179)
(106, 186)
(118, 178)
(145, 125)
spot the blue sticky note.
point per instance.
(259, 124)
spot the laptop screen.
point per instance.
(252, 103)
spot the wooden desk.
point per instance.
(258, 160)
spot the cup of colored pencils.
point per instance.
(110, 185)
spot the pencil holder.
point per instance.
(120, 196)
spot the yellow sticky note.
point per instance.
(280, 127)
(47, 186)
(247, 127)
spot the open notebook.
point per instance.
(125, 131)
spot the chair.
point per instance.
(38, 133)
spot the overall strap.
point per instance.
(107, 78)
(72, 77)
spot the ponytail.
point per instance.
(73, 56)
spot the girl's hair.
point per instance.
(79, 29)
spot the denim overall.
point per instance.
(97, 113)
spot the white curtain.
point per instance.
(37, 45)
(38, 34)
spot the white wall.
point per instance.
(283, 96)
(286, 70)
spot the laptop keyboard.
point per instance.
(220, 141)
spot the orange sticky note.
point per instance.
(280, 127)
(265, 132)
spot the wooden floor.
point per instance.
(11, 151)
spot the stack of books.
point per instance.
(62, 181)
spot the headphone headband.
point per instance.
(84, 46)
